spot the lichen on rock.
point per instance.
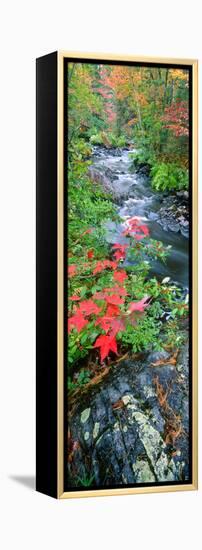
(85, 415)
(127, 445)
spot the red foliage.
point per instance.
(176, 117)
(121, 291)
(119, 255)
(90, 254)
(106, 343)
(72, 269)
(99, 296)
(136, 229)
(139, 306)
(104, 322)
(121, 247)
(117, 325)
(101, 265)
(114, 300)
(77, 321)
(112, 310)
(120, 276)
(88, 307)
(74, 298)
(112, 319)
(110, 323)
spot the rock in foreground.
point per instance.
(133, 427)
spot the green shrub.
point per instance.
(110, 140)
(121, 141)
(116, 141)
(169, 177)
(142, 157)
(96, 139)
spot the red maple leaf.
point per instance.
(100, 266)
(120, 276)
(121, 291)
(136, 229)
(106, 343)
(139, 306)
(144, 229)
(99, 296)
(74, 298)
(104, 322)
(72, 270)
(77, 321)
(121, 247)
(112, 310)
(110, 323)
(88, 307)
(90, 254)
(114, 299)
(119, 255)
(117, 325)
(113, 265)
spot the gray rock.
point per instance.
(185, 232)
(175, 227)
(120, 425)
(185, 223)
(153, 216)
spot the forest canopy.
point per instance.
(148, 107)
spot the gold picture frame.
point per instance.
(59, 491)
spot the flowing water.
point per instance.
(141, 201)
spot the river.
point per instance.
(136, 198)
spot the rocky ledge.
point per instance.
(134, 426)
(109, 182)
(173, 214)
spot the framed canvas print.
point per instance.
(116, 275)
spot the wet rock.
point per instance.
(174, 212)
(99, 177)
(185, 233)
(153, 216)
(109, 181)
(141, 168)
(110, 174)
(183, 194)
(174, 227)
(126, 429)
